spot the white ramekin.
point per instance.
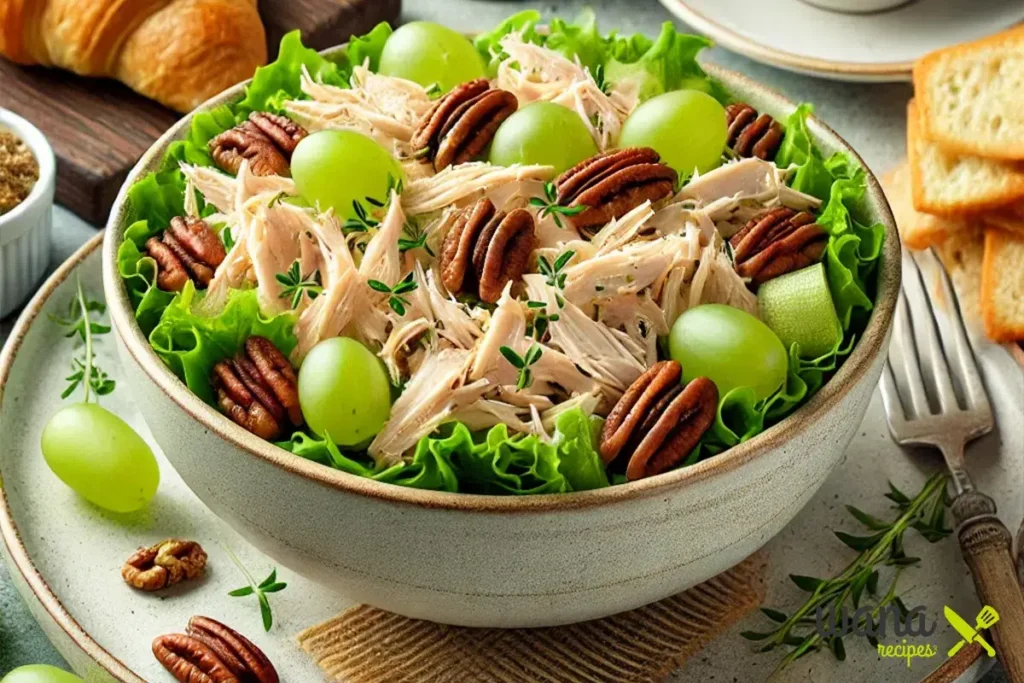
(25, 230)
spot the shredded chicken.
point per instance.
(465, 183)
(714, 282)
(400, 360)
(434, 393)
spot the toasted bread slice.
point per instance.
(1002, 286)
(972, 96)
(918, 230)
(951, 184)
(963, 254)
(1010, 219)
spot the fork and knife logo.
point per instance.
(969, 634)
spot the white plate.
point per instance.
(882, 46)
(65, 554)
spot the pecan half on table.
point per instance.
(266, 140)
(164, 564)
(188, 249)
(461, 124)
(612, 184)
(258, 389)
(485, 250)
(777, 242)
(750, 134)
(658, 421)
(238, 654)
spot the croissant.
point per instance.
(178, 52)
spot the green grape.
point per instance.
(344, 391)
(730, 347)
(430, 53)
(542, 133)
(334, 168)
(686, 127)
(39, 673)
(100, 457)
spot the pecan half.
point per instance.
(657, 422)
(612, 184)
(238, 653)
(190, 660)
(187, 249)
(750, 134)
(258, 389)
(164, 564)
(485, 250)
(266, 140)
(461, 124)
(777, 242)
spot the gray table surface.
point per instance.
(870, 117)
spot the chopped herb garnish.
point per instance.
(363, 219)
(523, 363)
(413, 237)
(549, 205)
(539, 327)
(79, 322)
(396, 301)
(433, 91)
(295, 285)
(276, 199)
(554, 274)
(267, 585)
(599, 79)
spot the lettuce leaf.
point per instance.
(575, 438)
(489, 44)
(580, 40)
(668, 63)
(369, 46)
(190, 343)
(195, 149)
(279, 81)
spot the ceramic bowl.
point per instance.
(504, 561)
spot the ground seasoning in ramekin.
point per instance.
(19, 171)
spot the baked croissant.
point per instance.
(178, 52)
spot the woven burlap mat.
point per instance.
(367, 645)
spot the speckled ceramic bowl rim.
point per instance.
(853, 370)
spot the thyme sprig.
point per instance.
(882, 547)
(267, 585)
(554, 272)
(79, 322)
(295, 284)
(523, 363)
(413, 237)
(396, 301)
(541, 319)
(549, 205)
(364, 220)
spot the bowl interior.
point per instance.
(854, 369)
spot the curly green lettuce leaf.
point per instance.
(139, 270)
(369, 47)
(576, 437)
(502, 463)
(489, 44)
(279, 81)
(579, 40)
(195, 149)
(190, 343)
(668, 63)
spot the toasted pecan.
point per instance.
(612, 184)
(462, 123)
(187, 249)
(776, 242)
(190, 660)
(265, 140)
(750, 134)
(164, 564)
(239, 654)
(258, 389)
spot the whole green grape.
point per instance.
(429, 54)
(686, 127)
(344, 391)
(334, 168)
(100, 457)
(542, 133)
(39, 673)
(730, 347)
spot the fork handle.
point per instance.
(985, 542)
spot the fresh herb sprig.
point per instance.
(295, 284)
(882, 547)
(541, 319)
(523, 363)
(414, 237)
(554, 272)
(549, 205)
(396, 301)
(267, 585)
(363, 220)
(79, 322)
(600, 80)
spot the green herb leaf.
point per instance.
(379, 286)
(268, 585)
(79, 322)
(295, 285)
(242, 592)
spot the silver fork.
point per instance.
(984, 540)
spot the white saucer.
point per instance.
(882, 46)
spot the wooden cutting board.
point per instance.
(99, 128)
